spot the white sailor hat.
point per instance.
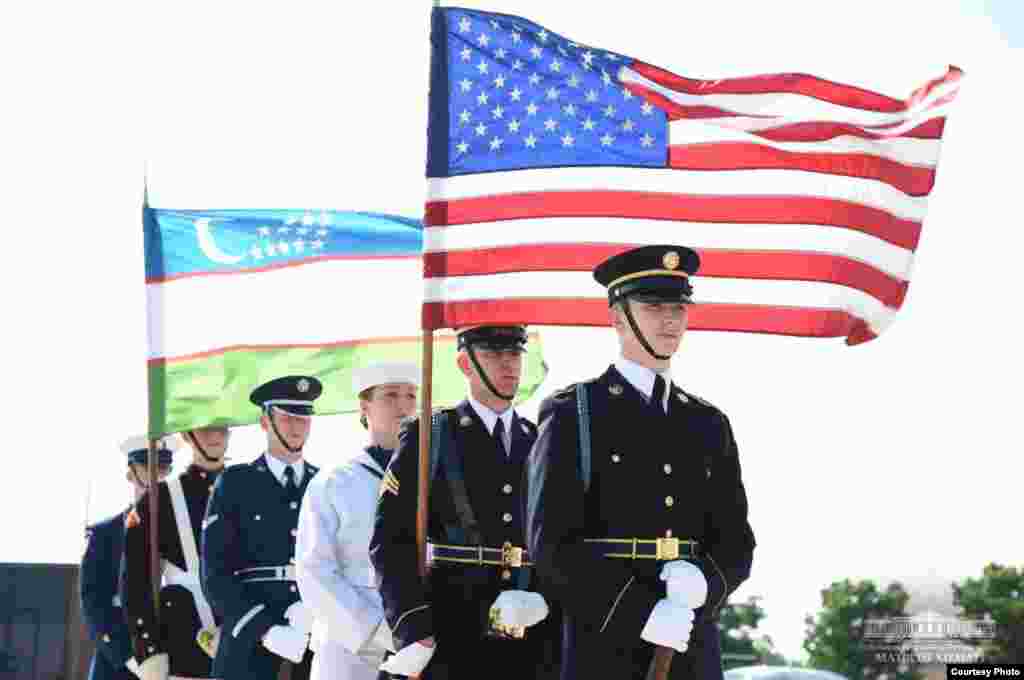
(384, 373)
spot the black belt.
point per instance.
(508, 556)
(665, 549)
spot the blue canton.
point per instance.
(520, 96)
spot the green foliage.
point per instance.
(835, 637)
(741, 644)
(997, 596)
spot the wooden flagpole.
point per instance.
(423, 488)
(154, 520)
(426, 409)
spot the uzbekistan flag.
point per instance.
(237, 297)
(805, 198)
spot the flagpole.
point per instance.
(154, 519)
(426, 408)
(423, 490)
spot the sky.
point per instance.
(891, 461)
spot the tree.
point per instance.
(998, 597)
(835, 637)
(740, 644)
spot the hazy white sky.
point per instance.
(893, 460)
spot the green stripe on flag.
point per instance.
(214, 390)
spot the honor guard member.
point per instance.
(101, 568)
(184, 611)
(248, 565)
(636, 512)
(336, 580)
(479, 600)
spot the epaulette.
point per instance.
(697, 399)
(568, 392)
(415, 418)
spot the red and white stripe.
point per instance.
(805, 199)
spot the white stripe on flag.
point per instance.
(327, 301)
(794, 105)
(762, 125)
(778, 183)
(542, 285)
(856, 245)
(905, 150)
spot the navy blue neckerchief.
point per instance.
(381, 457)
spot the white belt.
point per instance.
(175, 576)
(279, 573)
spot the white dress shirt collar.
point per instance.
(277, 467)
(490, 419)
(642, 378)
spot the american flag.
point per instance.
(804, 197)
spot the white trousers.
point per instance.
(333, 662)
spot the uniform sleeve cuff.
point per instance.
(718, 587)
(629, 611)
(250, 628)
(413, 626)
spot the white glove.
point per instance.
(686, 584)
(382, 638)
(156, 667)
(519, 608)
(287, 642)
(411, 660)
(669, 625)
(299, 616)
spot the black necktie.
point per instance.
(499, 436)
(289, 480)
(658, 396)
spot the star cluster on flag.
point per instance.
(295, 236)
(521, 96)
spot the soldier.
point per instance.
(636, 513)
(336, 579)
(184, 611)
(101, 567)
(475, 531)
(248, 551)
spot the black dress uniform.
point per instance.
(454, 605)
(248, 549)
(101, 607)
(674, 477)
(183, 606)
(102, 565)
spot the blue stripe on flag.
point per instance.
(520, 96)
(179, 242)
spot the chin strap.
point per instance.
(639, 335)
(485, 378)
(199, 447)
(277, 433)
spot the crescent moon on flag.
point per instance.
(209, 246)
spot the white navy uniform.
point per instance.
(334, 573)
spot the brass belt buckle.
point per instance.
(666, 549)
(511, 557)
